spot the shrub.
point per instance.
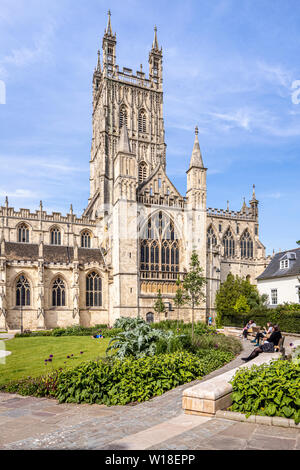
(219, 342)
(129, 380)
(128, 323)
(212, 359)
(75, 330)
(200, 328)
(287, 318)
(270, 389)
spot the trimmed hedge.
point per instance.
(73, 331)
(288, 321)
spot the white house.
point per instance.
(281, 279)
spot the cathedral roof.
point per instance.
(51, 253)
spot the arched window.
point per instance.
(229, 245)
(55, 236)
(149, 317)
(142, 171)
(159, 247)
(211, 238)
(142, 121)
(246, 245)
(93, 290)
(23, 233)
(22, 291)
(123, 116)
(58, 293)
(86, 239)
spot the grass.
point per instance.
(28, 355)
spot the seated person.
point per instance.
(263, 334)
(97, 335)
(267, 346)
(249, 325)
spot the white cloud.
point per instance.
(19, 193)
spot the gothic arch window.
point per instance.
(58, 293)
(123, 116)
(142, 171)
(23, 233)
(159, 246)
(93, 290)
(229, 244)
(86, 239)
(55, 236)
(22, 291)
(246, 245)
(211, 238)
(142, 121)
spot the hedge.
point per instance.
(75, 330)
(288, 322)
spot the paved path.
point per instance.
(40, 423)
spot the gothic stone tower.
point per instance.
(144, 221)
(122, 98)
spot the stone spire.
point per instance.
(155, 42)
(244, 206)
(253, 195)
(196, 159)
(108, 30)
(124, 145)
(254, 204)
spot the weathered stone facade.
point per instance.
(138, 232)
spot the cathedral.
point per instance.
(137, 233)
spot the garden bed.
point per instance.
(141, 362)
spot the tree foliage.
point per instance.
(159, 306)
(193, 284)
(233, 289)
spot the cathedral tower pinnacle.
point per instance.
(155, 62)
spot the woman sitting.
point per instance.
(267, 346)
(266, 333)
(246, 329)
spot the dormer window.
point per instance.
(284, 264)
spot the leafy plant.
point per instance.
(140, 341)
(270, 389)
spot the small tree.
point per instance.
(159, 306)
(298, 242)
(193, 284)
(180, 298)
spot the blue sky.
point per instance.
(229, 67)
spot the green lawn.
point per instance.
(28, 355)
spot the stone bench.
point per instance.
(208, 397)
